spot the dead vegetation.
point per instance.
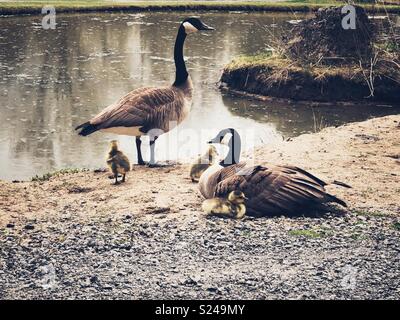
(319, 60)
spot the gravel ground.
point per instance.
(78, 236)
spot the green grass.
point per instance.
(306, 233)
(358, 236)
(319, 232)
(392, 46)
(247, 61)
(47, 176)
(369, 213)
(34, 6)
(396, 226)
(279, 66)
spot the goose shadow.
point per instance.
(324, 211)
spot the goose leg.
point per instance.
(123, 177)
(116, 179)
(153, 163)
(152, 147)
(139, 151)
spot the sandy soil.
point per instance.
(79, 236)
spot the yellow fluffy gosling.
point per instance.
(202, 163)
(233, 207)
(117, 162)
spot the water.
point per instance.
(53, 80)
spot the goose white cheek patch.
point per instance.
(226, 139)
(189, 28)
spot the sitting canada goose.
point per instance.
(202, 163)
(233, 207)
(270, 189)
(117, 162)
(151, 111)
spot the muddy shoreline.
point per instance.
(76, 235)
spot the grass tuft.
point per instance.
(47, 176)
(306, 233)
(369, 213)
(396, 226)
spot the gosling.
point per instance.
(117, 162)
(233, 207)
(202, 163)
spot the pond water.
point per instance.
(53, 80)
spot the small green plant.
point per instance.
(251, 60)
(396, 226)
(391, 46)
(47, 176)
(305, 233)
(369, 213)
(358, 236)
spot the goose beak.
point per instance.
(245, 198)
(205, 27)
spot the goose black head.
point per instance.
(193, 24)
(231, 138)
(225, 136)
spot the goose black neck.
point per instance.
(233, 155)
(181, 72)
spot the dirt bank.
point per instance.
(319, 60)
(78, 236)
(283, 78)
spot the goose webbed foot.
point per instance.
(116, 180)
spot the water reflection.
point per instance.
(52, 80)
(291, 119)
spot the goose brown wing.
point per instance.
(274, 189)
(139, 107)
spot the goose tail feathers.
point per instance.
(342, 184)
(331, 198)
(86, 129)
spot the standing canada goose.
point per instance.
(233, 207)
(202, 163)
(151, 111)
(117, 162)
(270, 189)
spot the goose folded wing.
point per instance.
(136, 108)
(274, 189)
